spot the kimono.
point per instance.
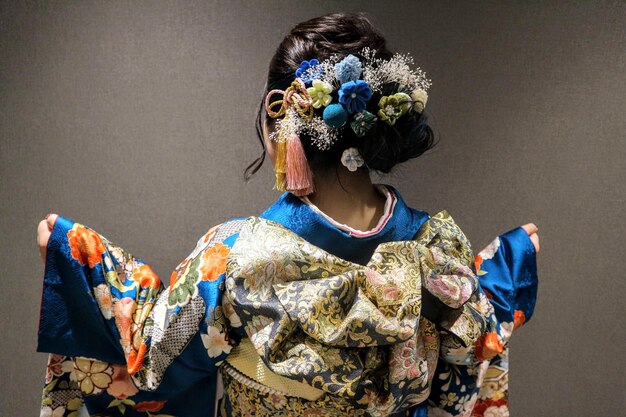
(287, 314)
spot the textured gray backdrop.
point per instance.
(136, 118)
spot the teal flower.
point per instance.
(362, 123)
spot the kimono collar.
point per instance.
(306, 311)
(296, 215)
(390, 204)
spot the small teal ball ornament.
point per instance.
(335, 115)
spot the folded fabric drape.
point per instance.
(351, 330)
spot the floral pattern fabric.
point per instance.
(424, 323)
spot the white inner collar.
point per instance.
(382, 222)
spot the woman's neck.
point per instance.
(349, 198)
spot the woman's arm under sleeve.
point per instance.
(477, 375)
(115, 330)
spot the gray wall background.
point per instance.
(137, 118)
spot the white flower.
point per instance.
(352, 159)
(49, 412)
(104, 300)
(215, 342)
(490, 250)
(419, 97)
(506, 329)
(501, 411)
(159, 315)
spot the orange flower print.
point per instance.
(145, 276)
(487, 293)
(214, 262)
(488, 346)
(478, 261)
(135, 359)
(173, 279)
(149, 406)
(518, 318)
(87, 247)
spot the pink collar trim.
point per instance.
(388, 212)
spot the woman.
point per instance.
(339, 299)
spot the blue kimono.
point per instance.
(287, 313)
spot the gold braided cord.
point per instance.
(296, 95)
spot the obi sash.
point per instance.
(318, 324)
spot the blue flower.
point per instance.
(308, 76)
(354, 95)
(348, 69)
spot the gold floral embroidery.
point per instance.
(356, 332)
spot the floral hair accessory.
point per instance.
(320, 93)
(348, 69)
(358, 90)
(394, 106)
(354, 95)
(419, 97)
(351, 82)
(301, 72)
(362, 123)
(352, 159)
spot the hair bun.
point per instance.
(388, 145)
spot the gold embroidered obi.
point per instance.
(361, 335)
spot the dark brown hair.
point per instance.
(383, 146)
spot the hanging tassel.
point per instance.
(280, 166)
(299, 175)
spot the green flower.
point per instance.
(185, 287)
(362, 123)
(394, 106)
(320, 93)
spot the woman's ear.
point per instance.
(270, 145)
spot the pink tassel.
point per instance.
(299, 175)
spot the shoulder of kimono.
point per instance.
(225, 233)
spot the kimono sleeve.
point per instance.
(120, 341)
(505, 300)
(475, 377)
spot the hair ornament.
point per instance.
(394, 106)
(354, 95)
(352, 159)
(342, 88)
(348, 69)
(362, 123)
(419, 97)
(340, 94)
(309, 76)
(295, 95)
(320, 93)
